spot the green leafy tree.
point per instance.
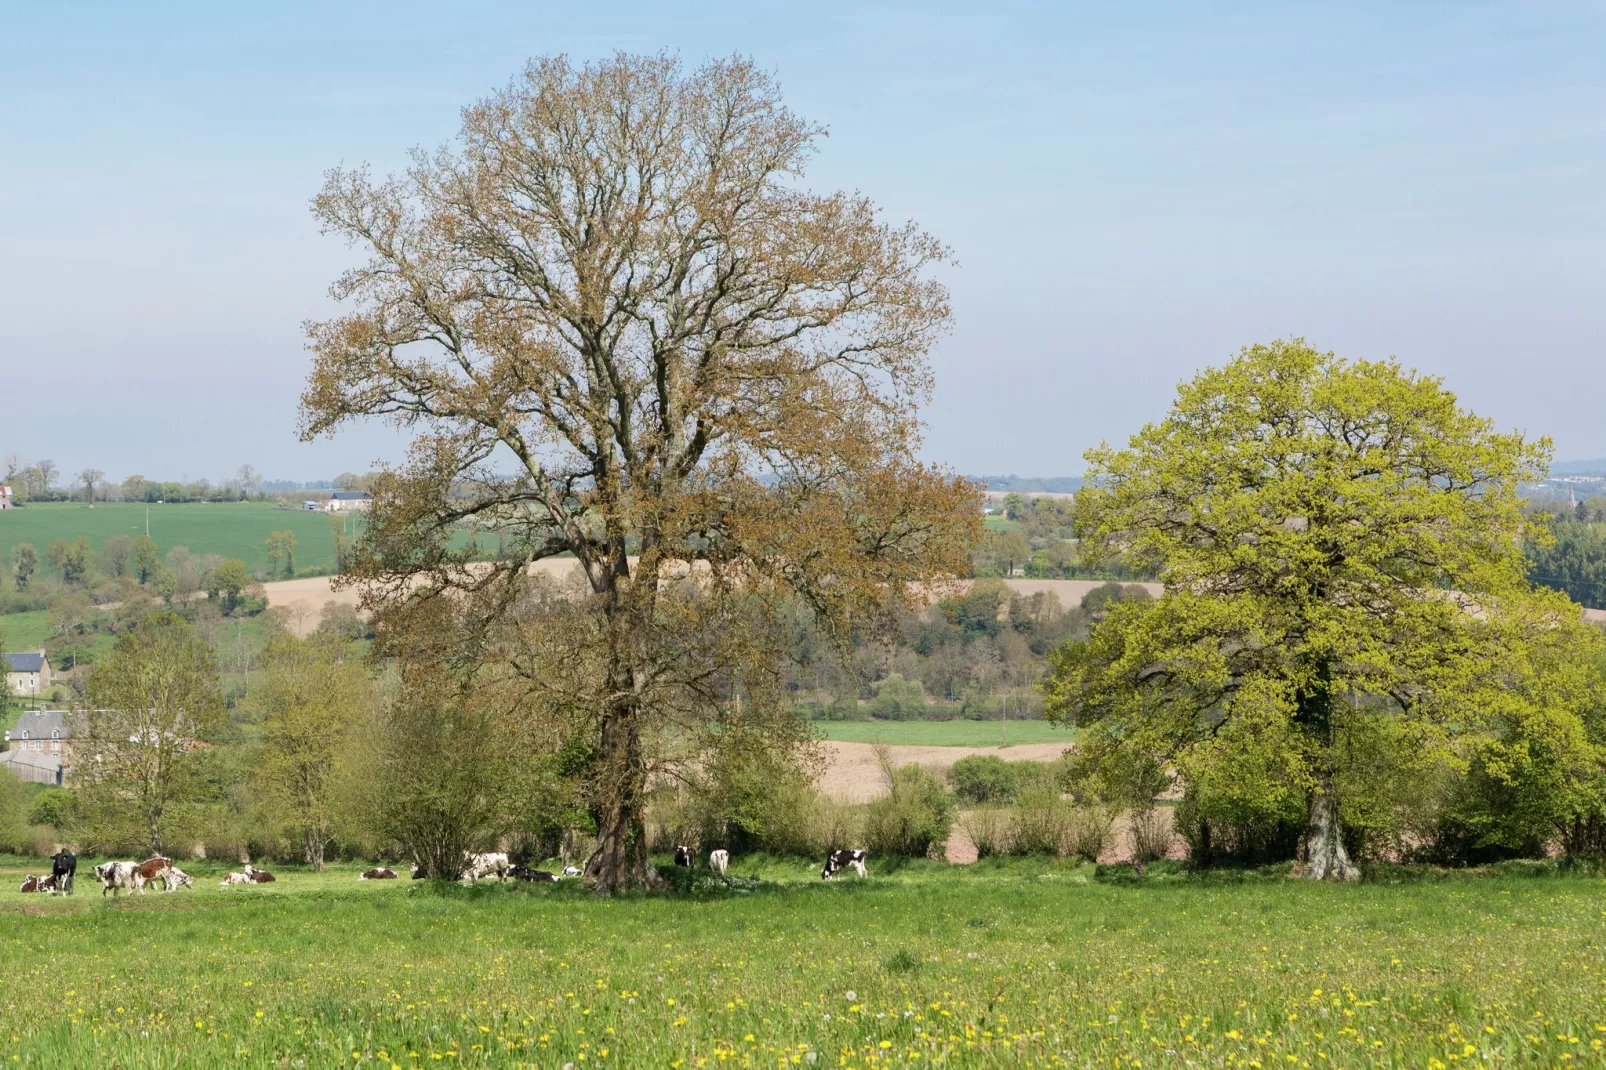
(282, 547)
(1340, 541)
(147, 558)
(24, 563)
(228, 580)
(71, 557)
(140, 769)
(116, 556)
(311, 701)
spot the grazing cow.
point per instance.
(116, 877)
(379, 874)
(685, 856)
(521, 873)
(486, 865)
(234, 878)
(176, 878)
(571, 871)
(836, 860)
(152, 869)
(64, 867)
(30, 883)
(719, 860)
(259, 876)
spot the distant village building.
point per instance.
(341, 501)
(36, 749)
(5, 497)
(28, 674)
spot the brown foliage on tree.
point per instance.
(616, 288)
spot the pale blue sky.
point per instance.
(1132, 190)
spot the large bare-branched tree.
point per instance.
(622, 329)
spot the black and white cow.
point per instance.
(116, 877)
(719, 860)
(64, 866)
(523, 873)
(835, 860)
(571, 871)
(685, 856)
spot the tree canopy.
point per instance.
(622, 329)
(1341, 547)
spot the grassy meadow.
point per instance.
(956, 733)
(231, 529)
(1006, 963)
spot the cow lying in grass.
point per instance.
(250, 876)
(379, 873)
(522, 873)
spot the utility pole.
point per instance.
(1005, 720)
(147, 521)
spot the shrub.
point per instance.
(1089, 831)
(1150, 834)
(913, 819)
(898, 699)
(1042, 823)
(1241, 835)
(984, 778)
(990, 830)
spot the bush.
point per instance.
(1236, 834)
(1089, 832)
(1150, 834)
(1042, 823)
(983, 778)
(898, 699)
(990, 830)
(913, 819)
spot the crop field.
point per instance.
(1016, 963)
(230, 529)
(958, 733)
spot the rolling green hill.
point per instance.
(231, 529)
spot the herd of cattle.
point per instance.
(116, 877)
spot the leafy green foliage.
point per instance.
(1572, 559)
(1310, 517)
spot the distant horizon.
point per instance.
(278, 484)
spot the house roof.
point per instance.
(32, 661)
(40, 723)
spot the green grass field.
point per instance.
(1016, 963)
(942, 733)
(232, 529)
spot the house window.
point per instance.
(24, 733)
(55, 733)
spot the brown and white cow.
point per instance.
(152, 869)
(379, 873)
(30, 883)
(259, 876)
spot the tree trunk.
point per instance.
(620, 862)
(1325, 857)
